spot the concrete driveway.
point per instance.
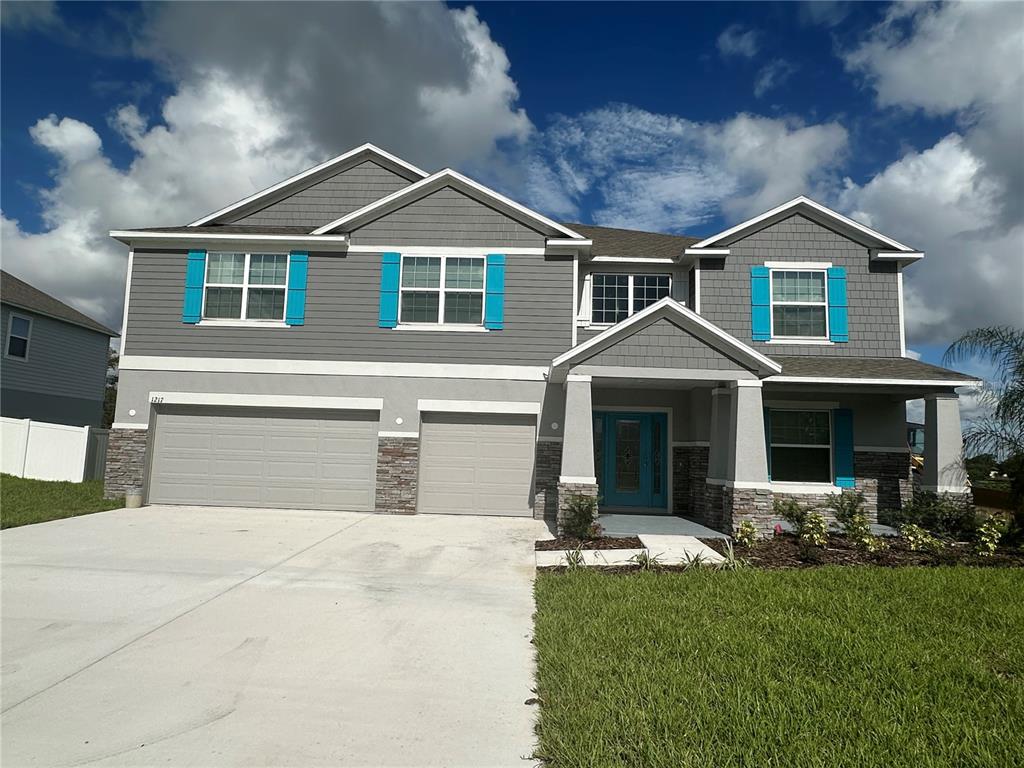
(201, 636)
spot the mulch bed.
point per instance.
(784, 552)
(564, 543)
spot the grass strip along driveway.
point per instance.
(24, 501)
(854, 666)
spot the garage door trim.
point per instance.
(268, 401)
(478, 406)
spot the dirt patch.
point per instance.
(601, 542)
(784, 552)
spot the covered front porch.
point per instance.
(675, 429)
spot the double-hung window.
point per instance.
(801, 446)
(17, 337)
(617, 296)
(799, 304)
(245, 286)
(446, 290)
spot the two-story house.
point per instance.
(367, 336)
(54, 358)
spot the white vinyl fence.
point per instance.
(45, 451)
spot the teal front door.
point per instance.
(630, 451)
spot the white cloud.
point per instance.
(29, 15)
(424, 81)
(735, 40)
(639, 169)
(772, 75)
(825, 13)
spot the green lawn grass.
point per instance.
(819, 667)
(24, 501)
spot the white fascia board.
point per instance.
(332, 368)
(668, 306)
(630, 260)
(438, 180)
(177, 238)
(300, 177)
(569, 241)
(872, 382)
(900, 256)
(707, 251)
(444, 250)
(795, 203)
(478, 406)
(267, 401)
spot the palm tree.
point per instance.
(1001, 431)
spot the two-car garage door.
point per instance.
(258, 457)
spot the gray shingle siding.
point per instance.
(64, 361)
(663, 344)
(447, 217)
(329, 199)
(871, 287)
(342, 307)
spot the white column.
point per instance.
(748, 458)
(578, 434)
(944, 470)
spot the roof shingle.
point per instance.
(822, 367)
(611, 241)
(20, 294)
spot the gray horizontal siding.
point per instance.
(447, 217)
(329, 199)
(871, 287)
(342, 308)
(663, 344)
(63, 360)
(55, 409)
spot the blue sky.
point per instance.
(681, 117)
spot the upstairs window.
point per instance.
(17, 336)
(801, 446)
(799, 304)
(245, 286)
(445, 290)
(617, 296)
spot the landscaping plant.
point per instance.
(942, 514)
(989, 534)
(746, 534)
(574, 559)
(645, 561)
(581, 517)
(810, 527)
(848, 508)
(918, 539)
(730, 561)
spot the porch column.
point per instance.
(578, 433)
(944, 470)
(578, 476)
(718, 451)
(748, 457)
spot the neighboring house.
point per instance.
(54, 358)
(365, 336)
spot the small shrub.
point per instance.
(942, 514)
(989, 534)
(792, 512)
(694, 561)
(645, 560)
(580, 518)
(814, 532)
(847, 506)
(574, 559)
(810, 527)
(918, 539)
(731, 561)
(745, 535)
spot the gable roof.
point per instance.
(618, 243)
(311, 176)
(446, 178)
(819, 369)
(815, 211)
(681, 316)
(18, 293)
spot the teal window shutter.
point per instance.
(390, 268)
(838, 323)
(494, 301)
(295, 302)
(842, 447)
(195, 277)
(760, 304)
(768, 439)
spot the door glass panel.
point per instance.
(599, 450)
(656, 455)
(627, 456)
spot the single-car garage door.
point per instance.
(473, 464)
(260, 457)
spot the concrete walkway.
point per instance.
(198, 636)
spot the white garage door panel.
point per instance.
(476, 464)
(265, 458)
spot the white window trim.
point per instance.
(826, 339)
(630, 311)
(831, 447)
(10, 333)
(244, 321)
(441, 325)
